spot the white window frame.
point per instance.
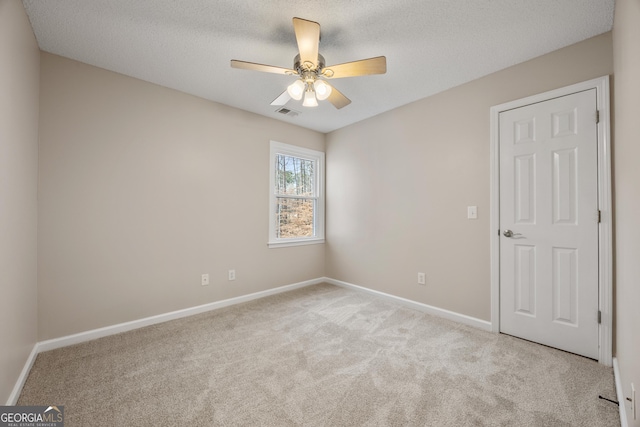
(317, 157)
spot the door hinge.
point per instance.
(597, 116)
(599, 317)
(599, 216)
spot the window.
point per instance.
(296, 205)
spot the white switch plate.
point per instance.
(472, 212)
(232, 275)
(205, 279)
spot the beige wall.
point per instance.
(143, 189)
(626, 49)
(19, 70)
(398, 185)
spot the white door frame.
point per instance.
(605, 254)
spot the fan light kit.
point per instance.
(309, 66)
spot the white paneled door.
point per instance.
(549, 223)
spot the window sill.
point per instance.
(294, 242)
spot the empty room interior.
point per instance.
(293, 213)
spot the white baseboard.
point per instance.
(440, 312)
(81, 337)
(55, 343)
(620, 394)
(17, 389)
(160, 318)
(140, 323)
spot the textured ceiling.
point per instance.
(430, 45)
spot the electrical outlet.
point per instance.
(205, 280)
(421, 279)
(232, 275)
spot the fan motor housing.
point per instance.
(301, 68)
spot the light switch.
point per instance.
(472, 212)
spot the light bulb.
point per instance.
(323, 90)
(310, 99)
(296, 89)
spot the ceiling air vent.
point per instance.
(287, 112)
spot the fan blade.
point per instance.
(308, 37)
(261, 67)
(337, 98)
(377, 65)
(282, 99)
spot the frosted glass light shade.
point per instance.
(323, 90)
(296, 89)
(310, 99)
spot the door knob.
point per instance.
(509, 233)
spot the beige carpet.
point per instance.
(319, 356)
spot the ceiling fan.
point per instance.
(310, 68)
